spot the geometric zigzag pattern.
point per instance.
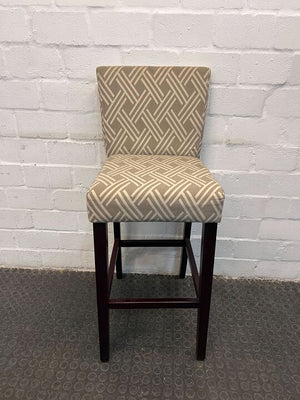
(153, 110)
(154, 188)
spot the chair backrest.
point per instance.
(153, 110)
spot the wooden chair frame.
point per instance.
(202, 281)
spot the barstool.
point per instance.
(153, 121)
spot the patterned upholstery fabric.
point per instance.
(153, 120)
(154, 188)
(153, 110)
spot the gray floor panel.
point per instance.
(49, 340)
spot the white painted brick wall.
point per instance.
(120, 28)
(19, 94)
(60, 27)
(51, 141)
(284, 102)
(182, 30)
(294, 77)
(14, 25)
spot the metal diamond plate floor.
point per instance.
(49, 340)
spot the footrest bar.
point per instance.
(159, 302)
(152, 243)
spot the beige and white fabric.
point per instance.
(154, 188)
(153, 110)
(153, 120)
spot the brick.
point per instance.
(86, 3)
(29, 198)
(25, 2)
(59, 28)
(278, 208)
(84, 177)
(224, 248)
(182, 30)
(32, 62)
(149, 3)
(48, 177)
(19, 94)
(239, 228)
(264, 68)
(41, 124)
(3, 70)
(215, 130)
(15, 18)
(239, 183)
(235, 268)
(293, 134)
(87, 260)
(72, 153)
(54, 95)
(295, 208)
(232, 207)
(257, 249)
(244, 30)
(120, 28)
(10, 150)
(37, 239)
(274, 4)
(21, 258)
(236, 101)
(283, 185)
(61, 259)
(75, 241)
(280, 229)
(290, 252)
(72, 200)
(84, 126)
(276, 159)
(8, 126)
(36, 176)
(73, 96)
(253, 207)
(255, 131)
(83, 222)
(7, 238)
(278, 269)
(150, 57)
(82, 62)
(219, 4)
(3, 199)
(224, 66)
(287, 33)
(32, 151)
(11, 175)
(16, 219)
(55, 220)
(294, 76)
(227, 157)
(284, 102)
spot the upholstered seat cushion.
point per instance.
(154, 188)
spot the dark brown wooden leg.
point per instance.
(117, 235)
(187, 234)
(208, 244)
(101, 260)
